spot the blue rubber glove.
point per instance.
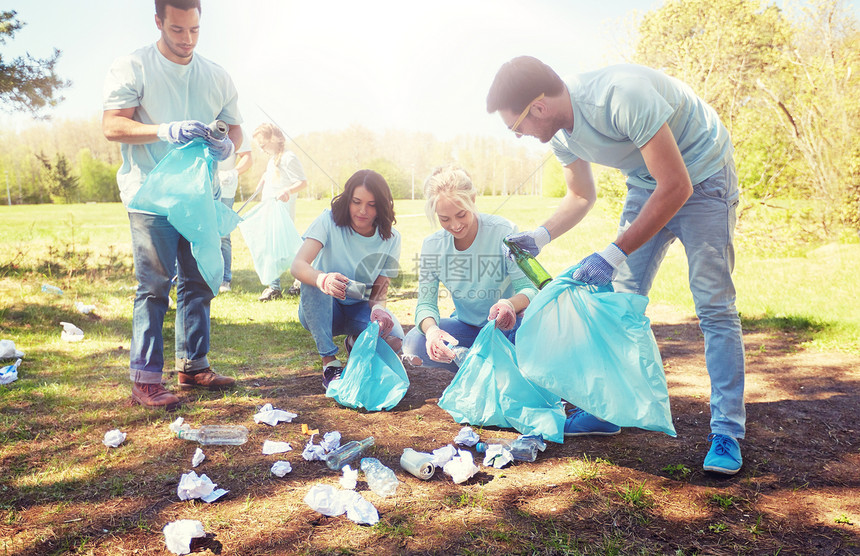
(598, 269)
(220, 149)
(179, 133)
(532, 241)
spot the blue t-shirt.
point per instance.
(357, 257)
(618, 109)
(163, 92)
(476, 277)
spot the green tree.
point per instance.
(98, 179)
(61, 182)
(27, 83)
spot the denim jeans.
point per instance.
(227, 247)
(415, 343)
(705, 226)
(326, 317)
(159, 253)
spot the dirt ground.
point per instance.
(798, 492)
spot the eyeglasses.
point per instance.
(523, 116)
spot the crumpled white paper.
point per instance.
(281, 468)
(443, 455)
(275, 447)
(113, 438)
(313, 452)
(71, 333)
(9, 373)
(178, 535)
(330, 441)
(84, 309)
(197, 458)
(8, 350)
(350, 477)
(467, 437)
(202, 487)
(330, 501)
(462, 467)
(271, 416)
(497, 456)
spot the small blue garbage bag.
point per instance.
(272, 239)
(180, 188)
(594, 347)
(374, 377)
(490, 390)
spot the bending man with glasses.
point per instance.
(681, 184)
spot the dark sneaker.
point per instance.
(295, 289)
(724, 456)
(582, 423)
(348, 342)
(206, 378)
(154, 396)
(270, 294)
(332, 371)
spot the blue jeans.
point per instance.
(705, 226)
(415, 343)
(159, 253)
(326, 317)
(227, 247)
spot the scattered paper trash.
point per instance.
(498, 456)
(71, 333)
(271, 416)
(8, 350)
(84, 309)
(178, 535)
(313, 452)
(9, 373)
(113, 438)
(461, 468)
(193, 486)
(275, 447)
(197, 458)
(330, 501)
(443, 455)
(281, 468)
(467, 437)
(359, 509)
(330, 441)
(350, 477)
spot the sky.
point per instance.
(322, 65)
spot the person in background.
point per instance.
(681, 184)
(467, 256)
(228, 174)
(142, 111)
(283, 179)
(347, 250)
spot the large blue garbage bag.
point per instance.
(594, 347)
(374, 377)
(272, 239)
(180, 188)
(490, 390)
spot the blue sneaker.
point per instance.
(582, 423)
(724, 456)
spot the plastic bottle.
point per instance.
(417, 463)
(529, 265)
(356, 290)
(380, 479)
(211, 435)
(346, 453)
(460, 354)
(524, 448)
(48, 288)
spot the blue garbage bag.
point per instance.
(374, 377)
(272, 239)
(594, 347)
(490, 390)
(180, 188)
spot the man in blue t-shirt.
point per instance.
(155, 99)
(681, 184)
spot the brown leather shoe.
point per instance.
(154, 396)
(205, 379)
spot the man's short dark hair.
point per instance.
(519, 82)
(161, 6)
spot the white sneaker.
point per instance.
(225, 287)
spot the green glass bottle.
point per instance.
(529, 265)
